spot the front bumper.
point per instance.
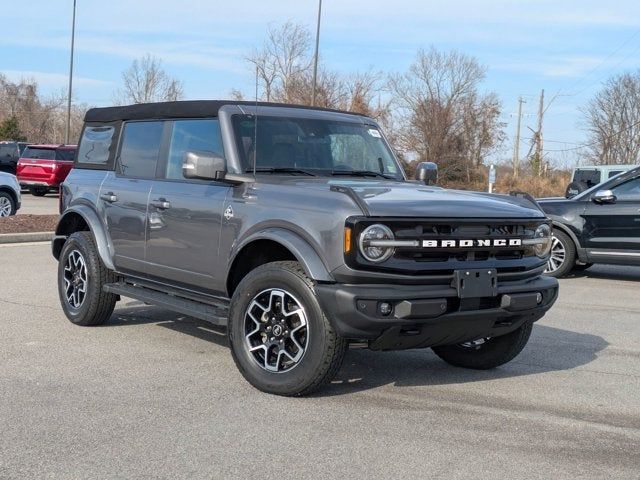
(429, 315)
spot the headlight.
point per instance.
(372, 243)
(543, 240)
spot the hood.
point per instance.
(406, 199)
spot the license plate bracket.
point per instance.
(476, 283)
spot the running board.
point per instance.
(210, 313)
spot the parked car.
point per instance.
(9, 194)
(599, 225)
(583, 178)
(297, 229)
(9, 155)
(43, 168)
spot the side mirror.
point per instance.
(427, 172)
(604, 196)
(203, 166)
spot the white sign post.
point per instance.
(492, 177)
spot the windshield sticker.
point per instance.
(374, 133)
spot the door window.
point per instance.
(629, 190)
(140, 149)
(201, 136)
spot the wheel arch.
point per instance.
(567, 231)
(274, 244)
(82, 218)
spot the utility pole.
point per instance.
(315, 57)
(516, 146)
(538, 154)
(73, 35)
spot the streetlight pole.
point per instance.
(315, 58)
(73, 37)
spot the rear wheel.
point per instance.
(39, 191)
(280, 339)
(562, 258)
(7, 205)
(81, 276)
(486, 353)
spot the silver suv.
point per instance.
(297, 229)
(10, 198)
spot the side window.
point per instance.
(95, 145)
(192, 136)
(140, 149)
(629, 190)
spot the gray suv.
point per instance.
(297, 229)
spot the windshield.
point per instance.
(41, 153)
(7, 150)
(314, 146)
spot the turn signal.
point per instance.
(347, 239)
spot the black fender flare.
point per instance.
(92, 219)
(306, 255)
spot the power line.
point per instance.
(591, 144)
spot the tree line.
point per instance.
(434, 111)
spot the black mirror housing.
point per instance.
(203, 166)
(427, 172)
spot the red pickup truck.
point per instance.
(42, 168)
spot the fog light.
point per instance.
(538, 298)
(385, 308)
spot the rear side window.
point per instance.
(95, 146)
(39, 153)
(588, 177)
(8, 150)
(192, 136)
(140, 149)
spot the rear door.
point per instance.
(612, 231)
(185, 215)
(124, 194)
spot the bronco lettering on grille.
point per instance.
(470, 243)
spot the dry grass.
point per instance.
(553, 185)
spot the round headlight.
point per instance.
(375, 253)
(543, 232)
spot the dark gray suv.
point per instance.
(297, 229)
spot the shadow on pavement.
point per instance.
(549, 349)
(608, 272)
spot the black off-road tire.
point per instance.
(569, 262)
(575, 188)
(39, 191)
(98, 305)
(324, 351)
(494, 352)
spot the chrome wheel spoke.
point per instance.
(557, 255)
(76, 279)
(276, 330)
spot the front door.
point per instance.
(184, 215)
(612, 230)
(124, 194)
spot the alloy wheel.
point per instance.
(5, 207)
(557, 256)
(276, 330)
(75, 279)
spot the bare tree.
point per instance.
(442, 116)
(146, 81)
(613, 121)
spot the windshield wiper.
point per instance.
(281, 170)
(361, 173)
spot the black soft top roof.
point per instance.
(181, 109)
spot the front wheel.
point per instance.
(486, 353)
(562, 258)
(280, 339)
(39, 191)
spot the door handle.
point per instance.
(161, 204)
(109, 197)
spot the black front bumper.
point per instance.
(429, 315)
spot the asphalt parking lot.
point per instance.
(155, 395)
(47, 205)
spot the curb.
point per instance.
(25, 237)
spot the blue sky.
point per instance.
(563, 46)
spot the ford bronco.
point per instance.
(297, 229)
